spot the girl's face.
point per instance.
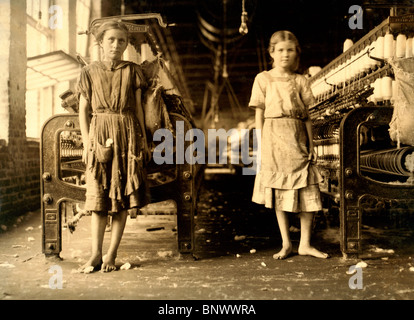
(114, 43)
(284, 55)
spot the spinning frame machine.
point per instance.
(363, 167)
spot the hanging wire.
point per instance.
(243, 27)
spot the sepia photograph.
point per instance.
(149, 150)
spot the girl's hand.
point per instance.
(313, 157)
(147, 153)
(85, 154)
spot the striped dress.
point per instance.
(115, 174)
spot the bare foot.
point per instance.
(93, 264)
(311, 251)
(284, 253)
(108, 264)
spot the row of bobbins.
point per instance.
(363, 61)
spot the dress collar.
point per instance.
(273, 73)
(288, 78)
(108, 66)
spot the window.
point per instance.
(83, 13)
(47, 75)
(39, 36)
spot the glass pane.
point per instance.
(83, 12)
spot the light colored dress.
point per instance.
(284, 147)
(115, 173)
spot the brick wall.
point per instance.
(19, 158)
(19, 180)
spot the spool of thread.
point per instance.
(320, 150)
(371, 62)
(386, 87)
(388, 46)
(348, 44)
(335, 149)
(379, 47)
(400, 45)
(394, 48)
(372, 96)
(378, 90)
(330, 111)
(409, 48)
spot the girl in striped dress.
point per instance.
(115, 141)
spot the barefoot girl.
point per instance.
(114, 139)
(287, 180)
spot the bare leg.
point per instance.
(108, 224)
(283, 221)
(118, 226)
(98, 224)
(306, 219)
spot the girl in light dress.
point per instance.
(287, 179)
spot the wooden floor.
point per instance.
(235, 241)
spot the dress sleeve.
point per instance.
(257, 99)
(139, 79)
(150, 70)
(306, 92)
(84, 86)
